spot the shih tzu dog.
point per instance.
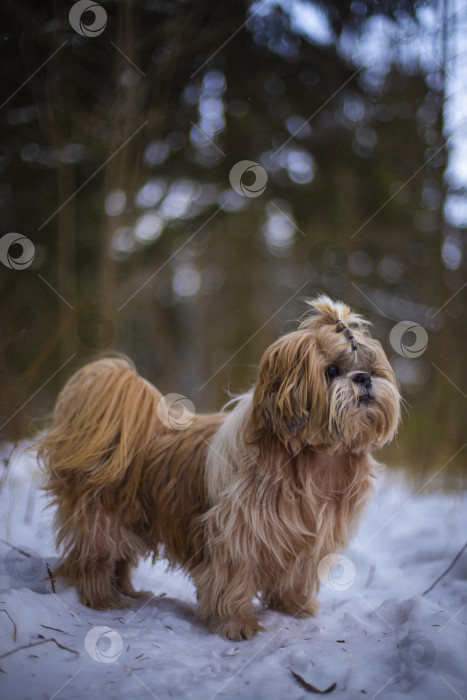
(248, 501)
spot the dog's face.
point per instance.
(328, 385)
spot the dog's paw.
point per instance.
(239, 629)
(296, 606)
(132, 593)
(310, 608)
(115, 603)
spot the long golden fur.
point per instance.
(248, 501)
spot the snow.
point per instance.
(375, 635)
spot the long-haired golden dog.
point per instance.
(248, 501)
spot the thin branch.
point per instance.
(311, 688)
(17, 549)
(447, 570)
(6, 463)
(35, 644)
(12, 622)
(51, 578)
(56, 629)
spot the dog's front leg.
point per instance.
(297, 597)
(225, 590)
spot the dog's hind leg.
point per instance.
(94, 457)
(100, 553)
(123, 569)
(94, 579)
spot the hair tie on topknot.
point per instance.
(347, 332)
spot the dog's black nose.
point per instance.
(362, 378)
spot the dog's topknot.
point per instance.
(326, 312)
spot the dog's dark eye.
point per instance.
(332, 371)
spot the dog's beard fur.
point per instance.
(248, 501)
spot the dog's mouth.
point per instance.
(365, 399)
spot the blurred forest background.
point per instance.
(115, 155)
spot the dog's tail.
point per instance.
(104, 421)
(104, 424)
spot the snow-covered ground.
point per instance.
(375, 635)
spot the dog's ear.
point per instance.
(288, 388)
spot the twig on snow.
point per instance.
(17, 549)
(51, 577)
(458, 555)
(12, 622)
(56, 629)
(310, 687)
(35, 644)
